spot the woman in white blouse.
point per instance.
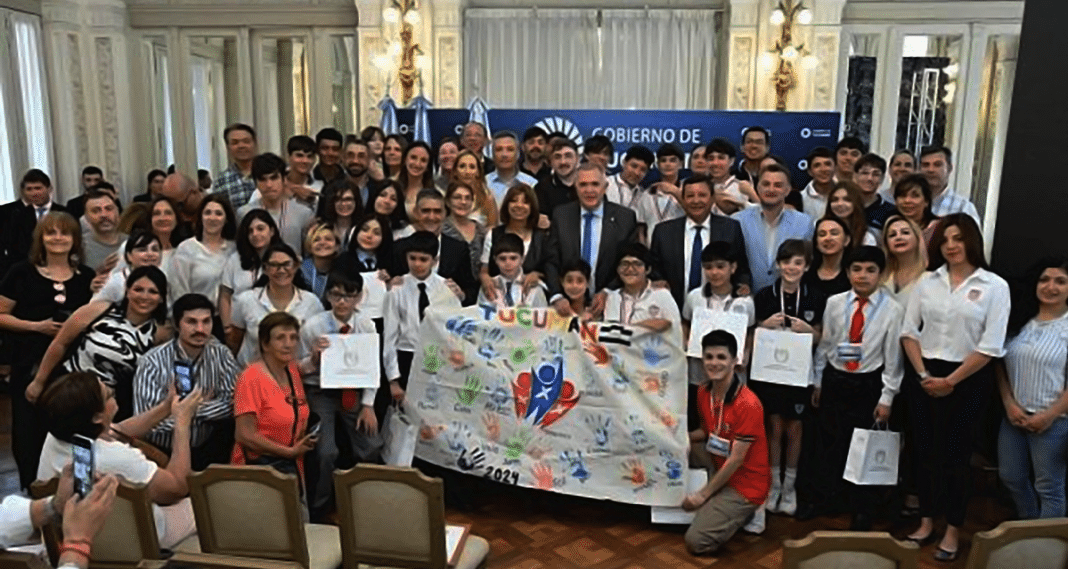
(954, 326)
(1033, 382)
(198, 262)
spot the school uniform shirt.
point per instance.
(773, 300)
(650, 303)
(252, 305)
(654, 208)
(326, 323)
(880, 340)
(738, 304)
(955, 323)
(624, 194)
(1036, 361)
(195, 268)
(740, 418)
(534, 299)
(291, 217)
(402, 316)
(813, 203)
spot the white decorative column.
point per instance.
(743, 54)
(816, 91)
(89, 82)
(447, 54)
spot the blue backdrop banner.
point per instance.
(793, 135)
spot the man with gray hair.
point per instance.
(506, 161)
(474, 137)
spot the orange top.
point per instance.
(258, 393)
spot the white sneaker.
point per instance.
(788, 502)
(756, 522)
(772, 503)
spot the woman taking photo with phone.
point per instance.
(80, 404)
(36, 297)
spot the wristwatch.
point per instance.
(924, 375)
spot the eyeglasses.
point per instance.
(337, 297)
(631, 264)
(284, 265)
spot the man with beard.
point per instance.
(559, 188)
(197, 355)
(102, 238)
(356, 161)
(534, 162)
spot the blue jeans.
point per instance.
(1019, 452)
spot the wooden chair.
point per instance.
(255, 511)
(128, 535)
(395, 517)
(849, 550)
(1030, 544)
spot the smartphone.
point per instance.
(82, 451)
(314, 426)
(183, 373)
(786, 323)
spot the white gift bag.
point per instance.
(399, 435)
(781, 356)
(705, 320)
(873, 456)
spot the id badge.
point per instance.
(849, 352)
(718, 446)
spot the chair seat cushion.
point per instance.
(475, 551)
(190, 544)
(324, 546)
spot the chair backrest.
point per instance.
(52, 532)
(390, 516)
(248, 511)
(848, 550)
(131, 516)
(1033, 544)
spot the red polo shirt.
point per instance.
(743, 420)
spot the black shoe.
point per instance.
(860, 522)
(807, 511)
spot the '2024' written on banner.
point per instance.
(531, 398)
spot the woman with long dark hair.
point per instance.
(833, 243)
(954, 325)
(256, 233)
(416, 174)
(1033, 383)
(199, 261)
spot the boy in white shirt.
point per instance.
(406, 304)
(355, 407)
(508, 254)
(858, 372)
(719, 264)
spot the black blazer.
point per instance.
(537, 252)
(454, 262)
(619, 227)
(669, 256)
(16, 233)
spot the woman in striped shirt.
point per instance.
(1033, 381)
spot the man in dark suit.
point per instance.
(19, 218)
(91, 176)
(454, 258)
(592, 229)
(559, 187)
(675, 246)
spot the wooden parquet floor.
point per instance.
(535, 530)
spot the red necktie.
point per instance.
(348, 396)
(856, 330)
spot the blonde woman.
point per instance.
(324, 246)
(906, 256)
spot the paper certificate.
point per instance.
(351, 361)
(374, 295)
(781, 356)
(705, 320)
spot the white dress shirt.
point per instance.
(595, 240)
(624, 194)
(972, 318)
(195, 268)
(880, 340)
(738, 304)
(533, 299)
(813, 203)
(401, 318)
(687, 251)
(649, 304)
(252, 305)
(326, 323)
(655, 208)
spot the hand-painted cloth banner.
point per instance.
(528, 397)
